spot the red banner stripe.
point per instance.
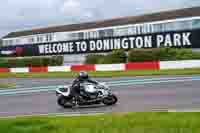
(143, 66)
(38, 69)
(4, 70)
(83, 68)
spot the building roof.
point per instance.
(164, 15)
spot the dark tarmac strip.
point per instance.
(38, 82)
(132, 98)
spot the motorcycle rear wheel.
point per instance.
(110, 100)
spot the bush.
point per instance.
(141, 55)
(36, 62)
(195, 55)
(161, 54)
(93, 58)
(19, 63)
(117, 56)
(47, 62)
(3, 63)
(106, 60)
(32, 62)
(184, 54)
(59, 60)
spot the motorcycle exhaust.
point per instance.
(91, 101)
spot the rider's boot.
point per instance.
(75, 101)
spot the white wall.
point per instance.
(179, 64)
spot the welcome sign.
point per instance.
(108, 44)
(179, 39)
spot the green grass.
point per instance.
(115, 123)
(6, 86)
(103, 74)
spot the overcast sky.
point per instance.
(27, 14)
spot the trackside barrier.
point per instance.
(111, 67)
(83, 68)
(4, 70)
(143, 66)
(59, 69)
(159, 65)
(38, 69)
(179, 64)
(19, 70)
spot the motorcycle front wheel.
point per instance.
(64, 102)
(110, 100)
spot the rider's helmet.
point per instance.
(83, 75)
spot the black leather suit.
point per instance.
(76, 85)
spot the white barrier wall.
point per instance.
(19, 70)
(59, 69)
(180, 64)
(110, 67)
(107, 67)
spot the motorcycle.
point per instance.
(90, 94)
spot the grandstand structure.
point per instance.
(182, 25)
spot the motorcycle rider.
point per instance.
(82, 78)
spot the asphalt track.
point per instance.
(161, 95)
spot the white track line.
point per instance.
(176, 110)
(91, 113)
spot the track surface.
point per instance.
(132, 98)
(28, 83)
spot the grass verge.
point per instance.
(6, 86)
(104, 74)
(115, 123)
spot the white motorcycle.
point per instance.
(90, 94)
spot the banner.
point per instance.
(178, 39)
